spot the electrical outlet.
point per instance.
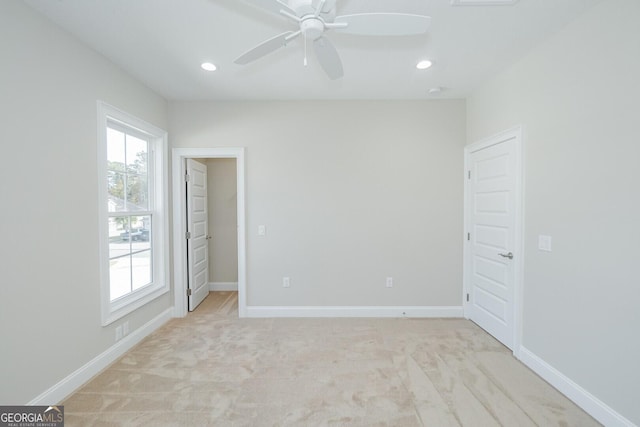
(286, 282)
(389, 282)
(125, 328)
(118, 333)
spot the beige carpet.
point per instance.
(213, 369)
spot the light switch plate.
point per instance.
(544, 243)
(262, 230)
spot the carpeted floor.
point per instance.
(213, 369)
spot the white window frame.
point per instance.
(112, 311)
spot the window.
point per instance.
(133, 211)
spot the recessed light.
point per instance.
(423, 65)
(208, 66)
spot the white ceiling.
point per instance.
(163, 42)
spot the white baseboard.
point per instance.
(223, 286)
(591, 404)
(339, 311)
(58, 392)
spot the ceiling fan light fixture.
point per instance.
(424, 64)
(208, 66)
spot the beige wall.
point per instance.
(349, 192)
(50, 322)
(577, 97)
(223, 247)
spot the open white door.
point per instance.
(492, 241)
(197, 233)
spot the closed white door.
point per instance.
(197, 233)
(492, 214)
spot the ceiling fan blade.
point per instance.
(274, 6)
(266, 47)
(328, 58)
(383, 24)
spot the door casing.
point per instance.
(180, 279)
(518, 262)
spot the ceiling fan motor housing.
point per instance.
(312, 28)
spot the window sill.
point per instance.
(119, 309)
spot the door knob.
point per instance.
(509, 255)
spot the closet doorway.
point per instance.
(220, 210)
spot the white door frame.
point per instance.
(518, 262)
(178, 171)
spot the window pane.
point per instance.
(141, 269)
(115, 186)
(115, 150)
(137, 193)
(140, 234)
(136, 155)
(141, 222)
(120, 276)
(119, 236)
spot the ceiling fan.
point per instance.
(314, 20)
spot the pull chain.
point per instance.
(305, 49)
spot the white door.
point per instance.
(492, 226)
(197, 233)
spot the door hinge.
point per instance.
(468, 236)
(467, 297)
(187, 235)
(189, 293)
(469, 174)
(187, 177)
